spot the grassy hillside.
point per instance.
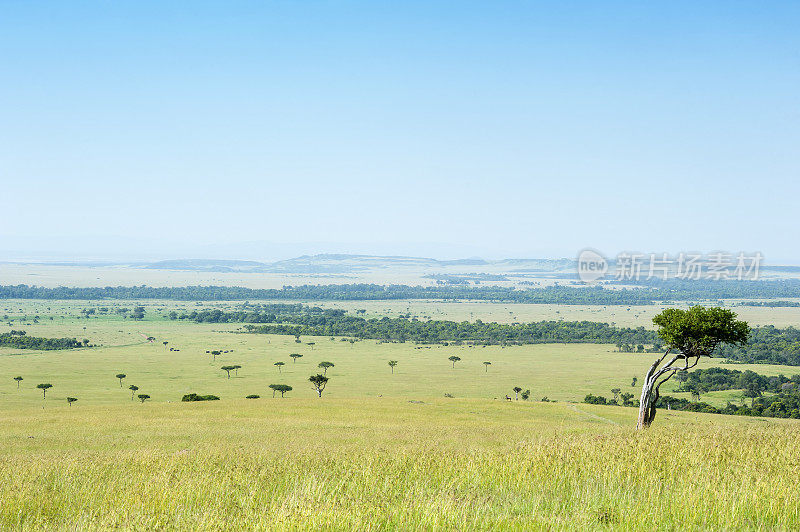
(388, 463)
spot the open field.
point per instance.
(619, 315)
(391, 464)
(378, 450)
(49, 275)
(563, 372)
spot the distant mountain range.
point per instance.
(340, 263)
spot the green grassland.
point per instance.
(563, 372)
(378, 451)
(381, 463)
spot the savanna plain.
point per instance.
(426, 444)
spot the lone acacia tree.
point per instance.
(454, 359)
(392, 364)
(44, 387)
(228, 370)
(325, 366)
(133, 388)
(71, 400)
(295, 356)
(18, 379)
(693, 333)
(279, 364)
(143, 397)
(516, 389)
(120, 376)
(282, 388)
(319, 382)
(486, 365)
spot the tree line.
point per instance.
(646, 294)
(718, 379)
(20, 340)
(443, 331)
(250, 316)
(782, 405)
(767, 345)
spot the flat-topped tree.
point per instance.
(311, 345)
(236, 368)
(215, 353)
(280, 388)
(325, 366)
(120, 376)
(133, 388)
(486, 365)
(319, 382)
(454, 359)
(392, 364)
(279, 364)
(143, 397)
(693, 333)
(228, 370)
(517, 389)
(71, 400)
(18, 379)
(165, 344)
(295, 356)
(44, 387)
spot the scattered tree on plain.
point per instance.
(279, 364)
(454, 359)
(143, 397)
(281, 388)
(295, 356)
(486, 365)
(693, 333)
(392, 364)
(120, 376)
(133, 388)
(516, 389)
(44, 387)
(319, 382)
(228, 370)
(325, 366)
(18, 379)
(71, 400)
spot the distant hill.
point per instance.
(206, 265)
(331, 263)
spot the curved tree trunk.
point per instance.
(653, 380)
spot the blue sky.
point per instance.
(438, 128)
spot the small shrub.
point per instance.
(189, 397)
